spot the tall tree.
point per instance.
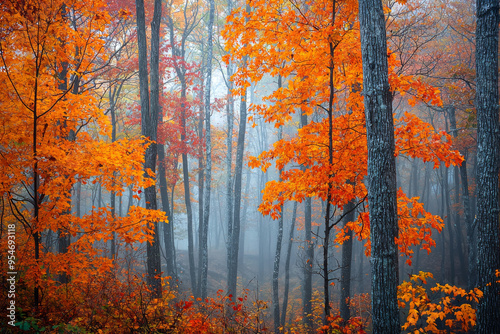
(229, 144)
(345, 274)
(309, 250)
(277, 253)
(488, 160)
(208, 167)
(287, 264)
(234, 233)
(190, 16)
(382, 196)
(150, 106)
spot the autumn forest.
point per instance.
(249, 166)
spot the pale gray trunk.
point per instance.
(208, 168)
(277, 254)
(469, 223)
(456, 180)
(234, 236)
(245, 219)
(287, 264)
(229, 152)
(449, 223)
(309, 252)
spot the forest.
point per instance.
(249, 166)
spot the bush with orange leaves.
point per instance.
(445, 308)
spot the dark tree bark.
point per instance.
(488, 160)
(328, 226)
(168, 231)
(113, 95)
(345, 281)
(381, 168)
(149, 121)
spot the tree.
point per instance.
(208, 167)
(382, 197)
(150, 108)
(488, 159)
(234, 229)
(44, 162)
(189, 12)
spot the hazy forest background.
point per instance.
(189, 166)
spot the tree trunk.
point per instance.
(488, 159)
(469, 223)
(345, 282)
(309, 252)
(328, 227)
(287, 265)
(167, 228)
(456, 181)
(149, 120)
(208, 169)
(382, 196)
(201, 191)
(234, 236)
(449, 223)
(114, 93)
(277, 254)
(245, 219)
(229, 154)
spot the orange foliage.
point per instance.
(55, 135)
(451, 312)
(295, 41)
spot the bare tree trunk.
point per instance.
(287, 265)
(309, 252)
(456, 180)
(277, 254)
(149, 120)
(469, 223)
(382, 196)
(201, 191)
(167, 228)
(113, 93)
(345, 282)
(234, 236)
(488, 158)
(245, 219)
(328, 227)
(208, 169)
(449, 223)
